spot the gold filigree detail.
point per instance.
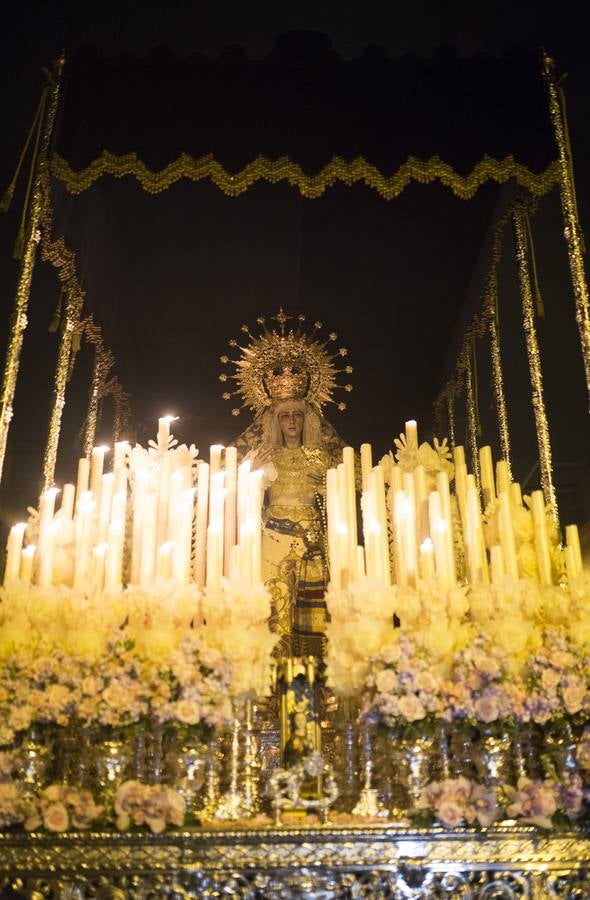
(310, 186)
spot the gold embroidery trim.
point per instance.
(310, 186)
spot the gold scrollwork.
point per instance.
(310, 186)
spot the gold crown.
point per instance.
(285, 364)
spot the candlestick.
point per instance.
(13, 552)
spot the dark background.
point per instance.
(171, 277)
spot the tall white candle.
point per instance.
(84, 523)
(412, 434)
(459, 455)
(486, 466)
(230, 527)
(114, 557)
(139, 502)
(541, 537)
(164, 432)
(104, 508)
(377, 479)
(13, 552)
(45, 575)
(164, 560)
(26, 564)
(119, 455)
(83, 476)
(507, 541)
(214, 567)
(183, 519)
(572, 537)
(201, 526)
(421, 495)
(427, 558)
(515, 494)
(215, 451)
(442, 484)
(502, 477)
(45, 541)
(67, 501)
(98, 561)
(366, 464)
(163, 496)
(148, 540)
(497, 564)
(96, 469)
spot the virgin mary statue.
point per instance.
(286, 376)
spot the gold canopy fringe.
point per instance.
(310, 186)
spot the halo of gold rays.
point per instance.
(259, 371)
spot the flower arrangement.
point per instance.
(236, 626)
(361, 623)
(542, 802)
(154, 805)
(459, 801)
(61, 807)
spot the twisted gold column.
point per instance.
(19, 317)
(72, 315)
(532, 346)
(103, 361)
(572, 231)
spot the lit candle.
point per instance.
(348, 463)
(183, 519)
(459, 455)
(215, 451)
(119, 456)
(46, 541)
(412, 434)
(421, 495)
(476, 558)
(376, 479)
(427, 558)
(163, 495)
(442, 484)
(214, 565)
(67, 501)
(26, 564)
(515, 494)
(13, 552)
(331, 511)
(344, 565)
(164, 432)
(96, 469)
(164, 560)
(461, 491)
(366, 464)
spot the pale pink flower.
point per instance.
(486, 709)
(573, 697)
(55, 817)
(411, 709)
(385, 681)
(449, 813)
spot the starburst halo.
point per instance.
(285, 363)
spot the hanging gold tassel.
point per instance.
(8, 194)
(19, 245)
(56, 318)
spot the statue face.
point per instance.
(291, 424)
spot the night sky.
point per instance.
(172, 277)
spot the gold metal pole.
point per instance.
(532, 346)
(572, 230)
(72, 315)
(499, 394)
(19, 317)
(451, 418)
(472, 428)
(103, 361)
